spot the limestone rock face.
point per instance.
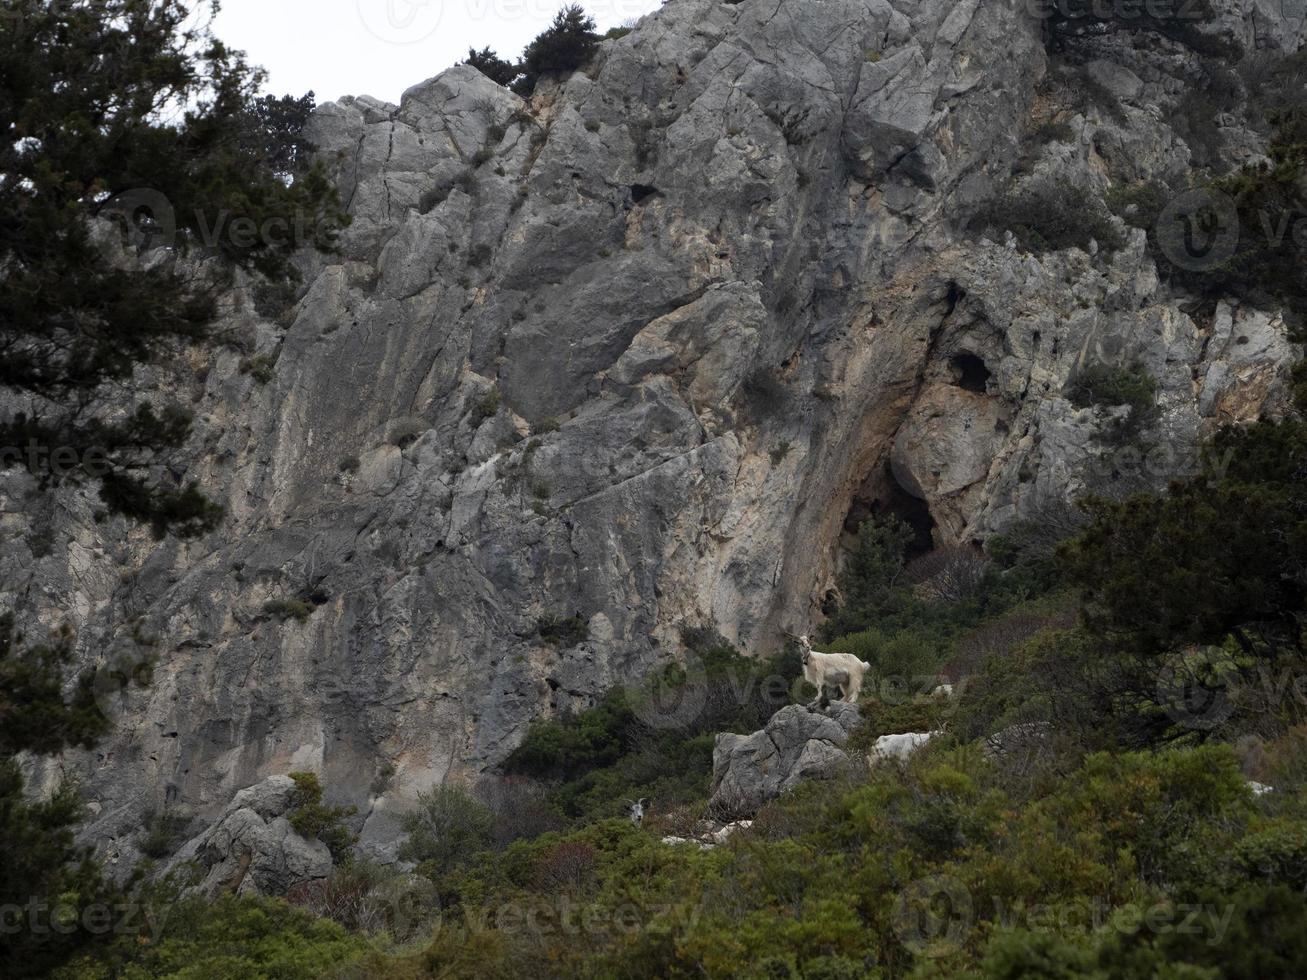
(643, 351)
(252, 848)
(796, 744)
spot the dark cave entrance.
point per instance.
(639, 192)
(969, 371)
(882, 497)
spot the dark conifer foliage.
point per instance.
(120, 112)
(566, 45)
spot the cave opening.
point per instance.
(883, 497)
(641, 191)
(969, 371)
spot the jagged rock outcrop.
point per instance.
(797, 743)
(252, 848)
(640, 351)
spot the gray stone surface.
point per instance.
(797, 743)
(252, 848)
(542, 342)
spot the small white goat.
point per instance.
(637, 810)
(898, 746)
(842, 670)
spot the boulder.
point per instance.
(252, 848)
(796, 744)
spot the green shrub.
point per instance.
(164, 833)
(1053, 132)
(495, 68)
(569, 43)
(608, 753)
(231, 936)
(563, 632)
(313, 820)
(1133, 387)
(405, 432)
(575, 744)
(1269, 265)
(1139, 205)
(1100, 384)
(485, 407)
(871, 581)
(1050, 218)
(899, 659)
(819, 885)
(275, 299)
(446, 828)
(260, 368)
(285, 609)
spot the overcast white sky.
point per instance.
(382, 47)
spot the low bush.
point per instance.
(446, 829)
(230, 936)
(314, 820)
(164, 833)
(485, 407)
(624, 748)
(285, 609)
(1049, 218)
(495, 68)
(563, 632)
(1106, 386)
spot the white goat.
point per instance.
(898, 746)
(842, 670)
(637, 810)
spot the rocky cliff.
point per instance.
(640, 351)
